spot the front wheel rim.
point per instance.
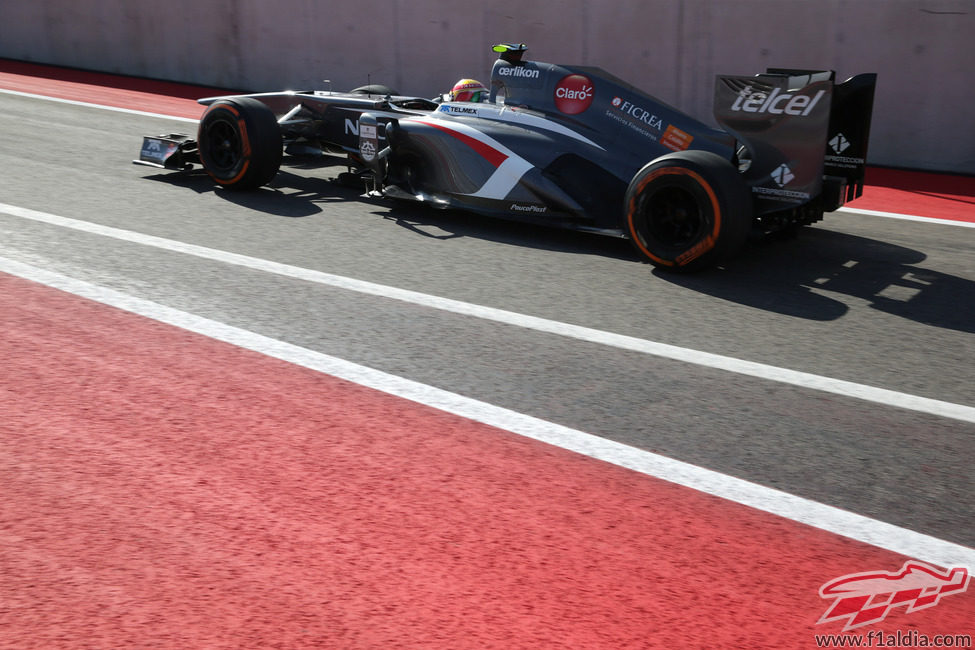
(224, 145)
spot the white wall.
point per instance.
(923, 50)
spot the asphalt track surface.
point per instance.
(167, 490)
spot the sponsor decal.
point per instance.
(458, 110)
(845, 162)
(573, 94)
(781, 195)
(615, 115)
(367, 149)
(368, 141)
(865, 598)
(638, 113)
(528, 207)
(782, 175)
(776, 103)
(156, 150)
(839, 143)
(675, 139)
(518, 71)
(518, 76)
(352, 127)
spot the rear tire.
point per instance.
(687, 210)
(240, 143)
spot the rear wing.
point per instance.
(849, 132)
(804, 137)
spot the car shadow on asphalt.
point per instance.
(302, 194)
(795, 277)
(288, 195)
(450, 224)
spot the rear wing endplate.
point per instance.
(806, 137)
(849, 132)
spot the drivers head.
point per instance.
(468, 90)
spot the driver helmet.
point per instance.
(468, 90)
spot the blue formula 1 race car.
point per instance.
(571, 147)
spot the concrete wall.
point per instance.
(923, 50)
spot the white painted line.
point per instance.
(101, 106)
(841, 522)
(760, 370)
(911, 217)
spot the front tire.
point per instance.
(240, 143)
(687, 210)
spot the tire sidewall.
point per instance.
(218, 114)
(723, 209)
(258, 145)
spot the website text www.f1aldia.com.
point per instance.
(897, 639)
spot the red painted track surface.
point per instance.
(165, 489)
(161, 489)
(941, 196)
(178, 100)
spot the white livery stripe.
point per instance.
(508, 173)
(516, 117)
(504, 179)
